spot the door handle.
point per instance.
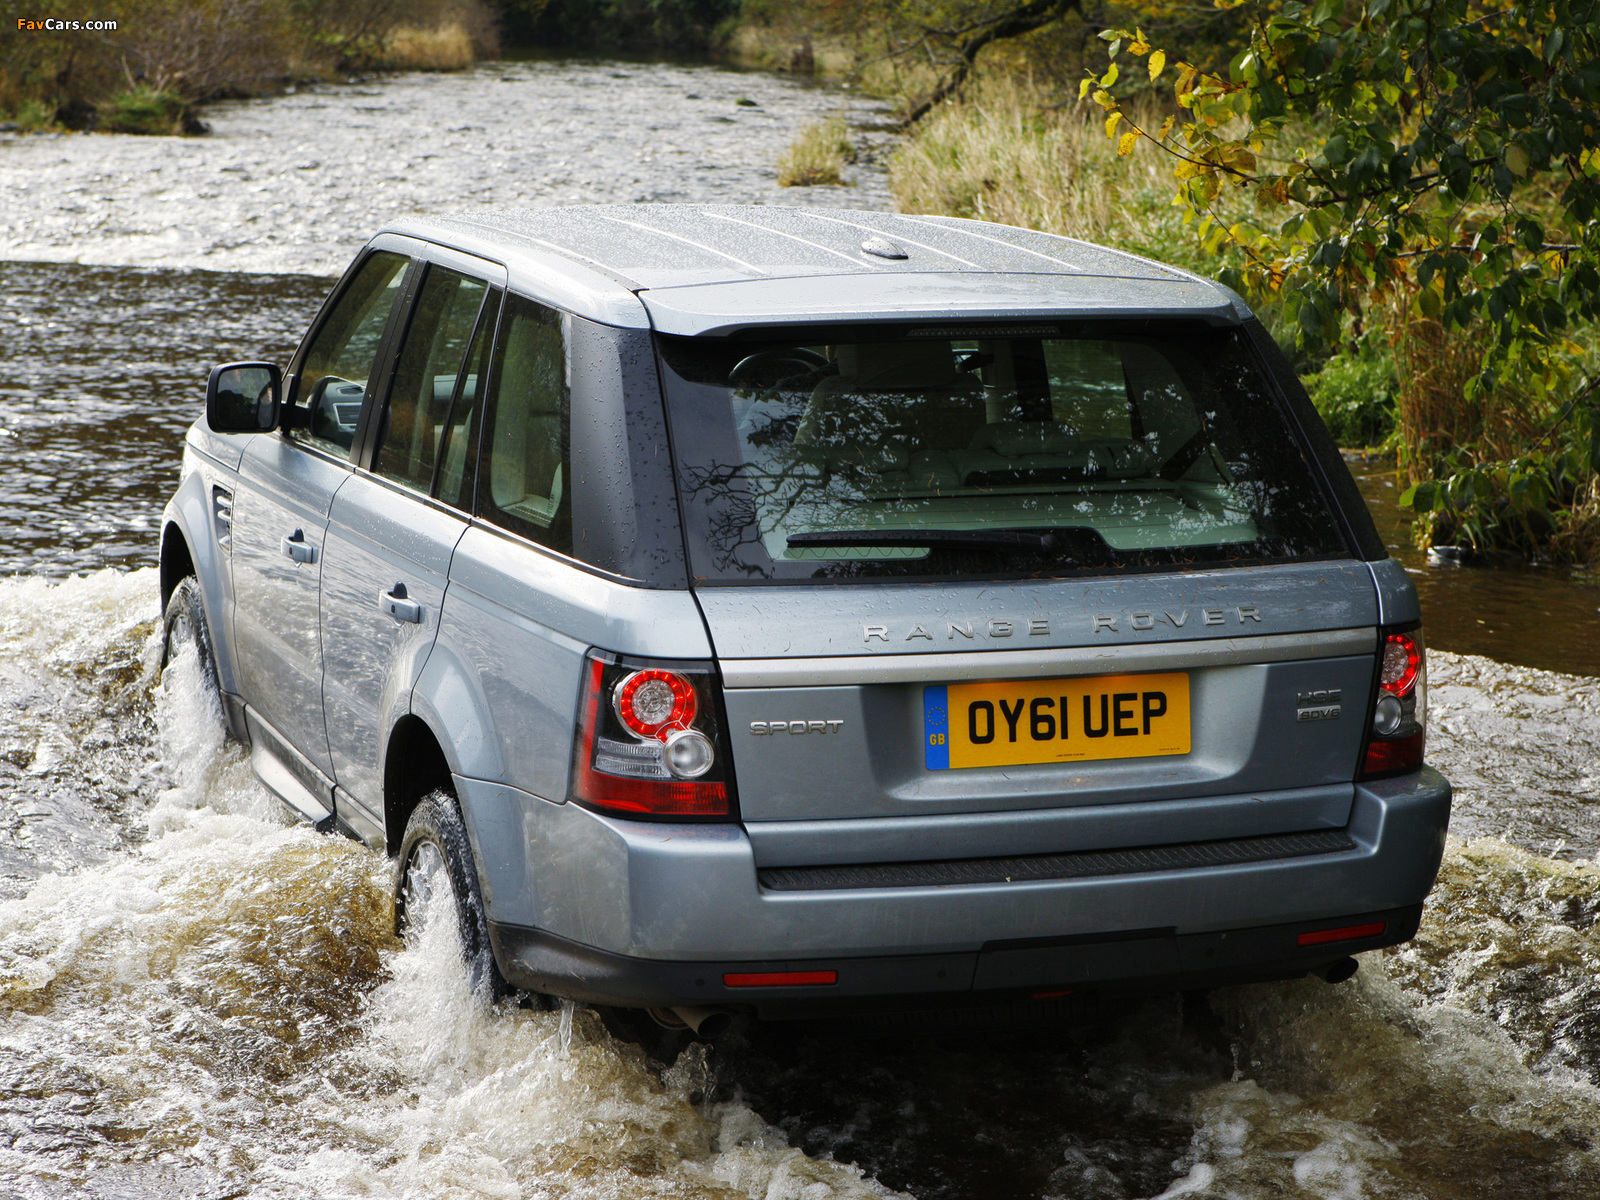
(296, 547)
(399, 606)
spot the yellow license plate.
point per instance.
(1055, 720)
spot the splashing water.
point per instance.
(200, 998)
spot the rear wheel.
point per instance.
(436, 880)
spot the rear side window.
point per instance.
(1028, 452)
(526, 484)
(343, 354)
(411, 431)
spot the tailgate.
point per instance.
(877, 701)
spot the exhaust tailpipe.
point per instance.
(705, 1022)
(1338, 972)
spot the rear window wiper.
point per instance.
(1080, 536)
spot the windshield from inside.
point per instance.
(1004, 451)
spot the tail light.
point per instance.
(649, 743)
(1399, 706)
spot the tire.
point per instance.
(435, 867)
(183, 624)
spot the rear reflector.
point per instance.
(1051, 995)
(1349, 933)
(780, 978)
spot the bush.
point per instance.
(817, 156)
(143, 110)
(32, 116)
(1356, 396)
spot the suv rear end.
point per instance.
(1051, 654)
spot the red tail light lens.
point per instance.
(652, 703)
(647, 742)
(1396, 734)
(1402, 662)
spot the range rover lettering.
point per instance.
(809, 612)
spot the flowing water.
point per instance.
(201, 998)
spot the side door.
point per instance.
(287, 482)
(394, 526)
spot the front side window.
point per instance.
(344, 353)
(526, 485)
(1031, 451)
(414, 423)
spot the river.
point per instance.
(200, 998)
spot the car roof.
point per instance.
(717, 269)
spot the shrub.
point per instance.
(33, 115)
(143, 110)
(817, 156)
(1355, 394)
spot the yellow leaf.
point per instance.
(1105, 99)
(1186, 74)
(1126, 143)
(1111, 124)
(1158, 62)
(1166, 128)
(1516, 160)
(1083, 88)
(1139, 47)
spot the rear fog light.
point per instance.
(1350, 933)
(779, 979)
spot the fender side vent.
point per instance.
(222, 517)
(1034, 867)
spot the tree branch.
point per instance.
(1025, 18)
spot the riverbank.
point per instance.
(294, 184)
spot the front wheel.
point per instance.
(436, 880)
(188, 662)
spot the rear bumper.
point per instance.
(1143, 962)
(625, 912)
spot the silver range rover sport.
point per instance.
(798, 612)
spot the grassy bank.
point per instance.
(159, 61)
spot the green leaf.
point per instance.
(1516, 160)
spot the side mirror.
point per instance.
(244, 398)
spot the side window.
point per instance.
(529, 417)
(344, 352)
(453, 484)
(412, 428)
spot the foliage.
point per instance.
(143, 109)
(1438, 153)
(1355, 393)
(1527, 504)
(33, 115)
(1006, 153)
(817, 156)
(200, 50)
(682, 25)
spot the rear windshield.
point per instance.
(1016, 452)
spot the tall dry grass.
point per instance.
(444, 48)
(1006, 154)
(817, 156)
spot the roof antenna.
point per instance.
(882, 247)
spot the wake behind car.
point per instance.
(757, 609)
